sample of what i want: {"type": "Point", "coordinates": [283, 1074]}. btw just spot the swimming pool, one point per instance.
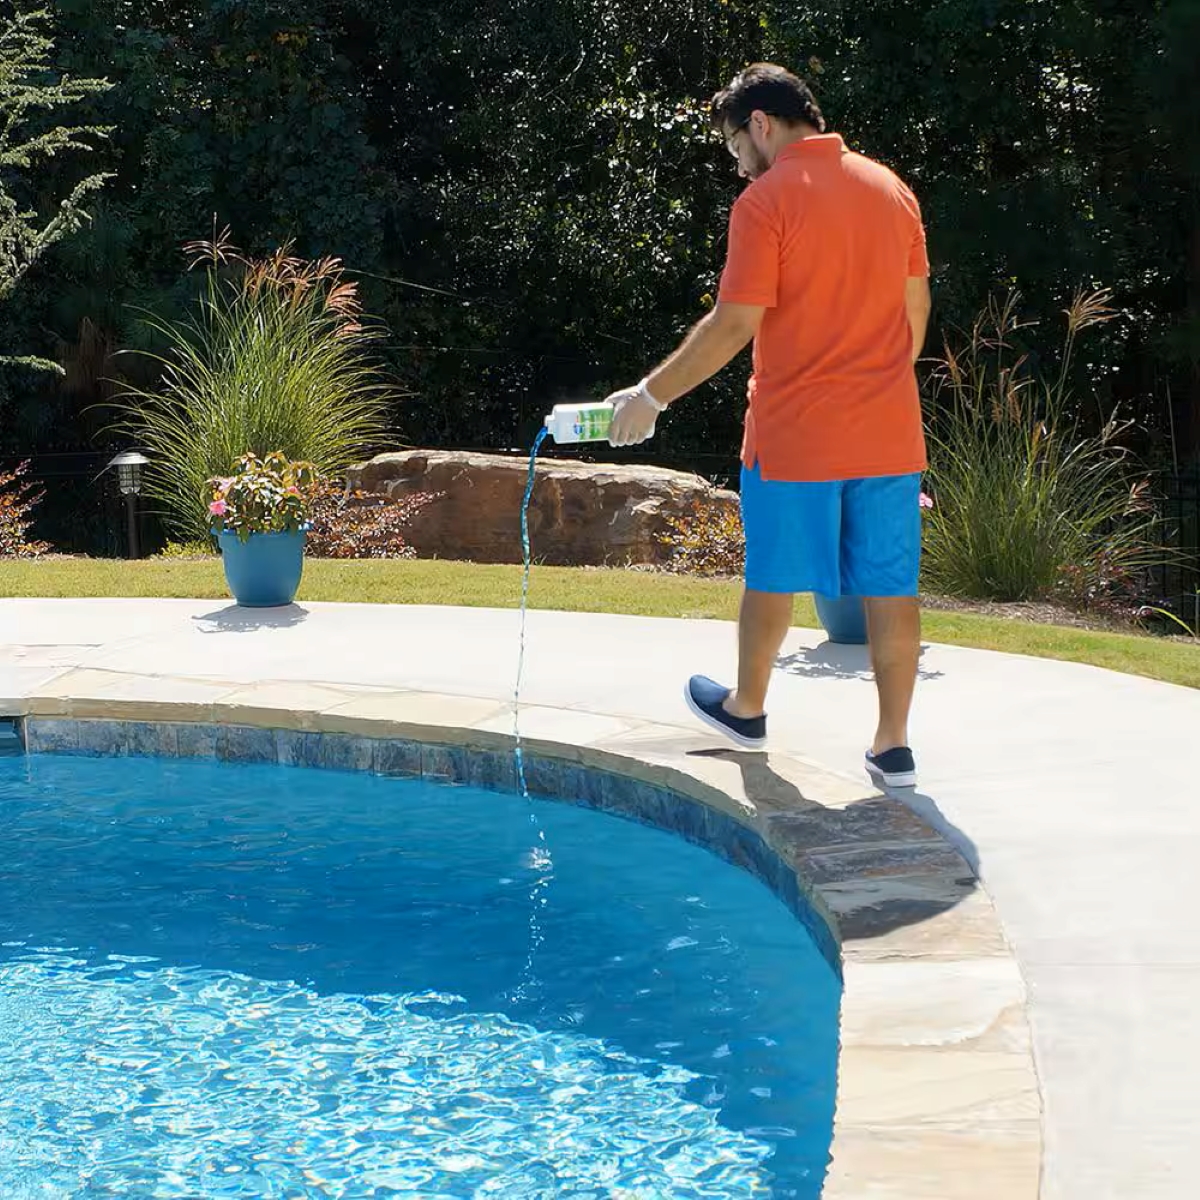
{"type": "Point", "coordinates": [225, 979]}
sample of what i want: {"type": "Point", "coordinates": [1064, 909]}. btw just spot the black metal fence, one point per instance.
{"type": "Point", "coordinates": [82, 511]}
{"type": "Point", "coordinates": [1176, 585]}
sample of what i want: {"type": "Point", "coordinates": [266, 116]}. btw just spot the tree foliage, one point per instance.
{"type": "Point", "coordinates": [537, 208]}
{"type": "Point", "coordinates": [31, 221]}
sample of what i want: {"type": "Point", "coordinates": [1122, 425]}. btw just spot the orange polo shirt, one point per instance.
{"type": "Point", "coordinates": [825, 241]}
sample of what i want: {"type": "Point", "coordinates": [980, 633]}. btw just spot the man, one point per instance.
{"type": "Point", "coordinates": [827, 272]}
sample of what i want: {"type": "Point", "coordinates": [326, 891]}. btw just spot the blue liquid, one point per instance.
{"type": "Point", "coordinates": [527, 558]}
{"type": "Point", "coordinates": [541, 860]}
{"type": "Point", "coordinates": [230, 980]}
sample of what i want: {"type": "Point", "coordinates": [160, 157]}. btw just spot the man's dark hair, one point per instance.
{"type": "Point", "coordinates": [764, 87]}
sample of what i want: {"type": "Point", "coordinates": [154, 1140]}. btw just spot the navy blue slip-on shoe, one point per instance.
{"type": "Point", "coordinates": [893, 768]}
{"type": "Point", "coordinates": [706, 699]}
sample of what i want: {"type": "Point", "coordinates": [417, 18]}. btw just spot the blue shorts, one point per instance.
{"type": "Point", "coordinates": [853, 537]}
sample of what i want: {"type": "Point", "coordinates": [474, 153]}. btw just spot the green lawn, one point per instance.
{"type": "Point", "coordinates": [579, 590]}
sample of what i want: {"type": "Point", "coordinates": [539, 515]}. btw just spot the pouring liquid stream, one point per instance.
{"type": "Point", "coordinates": [567, 423]}
{"type": "Point", "coordinates": [539, 859]}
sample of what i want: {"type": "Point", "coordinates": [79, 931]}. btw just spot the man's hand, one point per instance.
{"type": "Point", "coordinates": [635, 413]}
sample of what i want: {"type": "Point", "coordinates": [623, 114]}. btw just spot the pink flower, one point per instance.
{"type": "Point", "coordinates": [293, 491]}
{"type": "Point", "coordinates": [926, 501]}
{"type": "Point", "coordinates": [218, 508]}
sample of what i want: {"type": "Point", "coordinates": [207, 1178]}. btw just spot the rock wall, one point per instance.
{"type": "Point", "coordinates": [581, 514]}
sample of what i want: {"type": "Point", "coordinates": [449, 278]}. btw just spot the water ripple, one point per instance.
{"type": "Point", "coordinates": [126, 1078]}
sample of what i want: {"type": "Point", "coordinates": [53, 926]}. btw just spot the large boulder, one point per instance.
{"type": "Point", "coordinates": [580, 514]}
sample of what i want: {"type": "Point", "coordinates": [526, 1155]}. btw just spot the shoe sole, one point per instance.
{"type": "Point", "coordinates": [893, 779]}
{"type": "Point", "coordinates": [724, 730]}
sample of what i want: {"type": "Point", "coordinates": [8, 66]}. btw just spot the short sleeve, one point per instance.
{"type": "Point", "coordinates": [751, 274]}
{"type": "Point", "coordinates": [918, 254]}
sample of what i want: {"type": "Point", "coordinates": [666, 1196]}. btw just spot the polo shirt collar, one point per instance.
{"type": "Point", "coordinates": [821, 143]}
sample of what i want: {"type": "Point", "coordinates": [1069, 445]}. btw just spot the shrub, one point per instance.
{"type": "Point", "coordinates": [360, 524]}
{"type": "Point", "coordinates": [1029, 505]}
{"type": "Point", "coordinates": [275, 360]}
{"type": "Point", "coordinates": [708, 540]}
{"type": "Point", "coordinates": [197, 549]}
{"type": "Point", "coordinates": [18, 498]}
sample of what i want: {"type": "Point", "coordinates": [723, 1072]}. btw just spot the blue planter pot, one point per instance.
{"type": "Point", "coordinates": [265, 570]}
{"type": "Point", "coordinates": [844, 618]}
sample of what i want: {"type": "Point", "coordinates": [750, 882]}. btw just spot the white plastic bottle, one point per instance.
{"type": "Point", "coordinates": [580, 422]}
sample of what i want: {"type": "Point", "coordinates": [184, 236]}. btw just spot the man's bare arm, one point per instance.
{"type": "Point", "coordinates": [713, 343]}
{"type": "Point", "coordinates": [919, 303]}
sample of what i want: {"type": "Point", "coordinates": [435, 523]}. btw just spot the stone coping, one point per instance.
{"type": "Point", "coordinates": [938, 1096]}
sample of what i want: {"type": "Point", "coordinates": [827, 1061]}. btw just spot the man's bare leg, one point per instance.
{"type": "Point", "coordinates": [763, 623]}
{"type": "Point", "coordinates": [894, 629]}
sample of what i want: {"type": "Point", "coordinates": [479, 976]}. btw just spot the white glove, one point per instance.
{"type": "Point", "coordinates": [635, 413]}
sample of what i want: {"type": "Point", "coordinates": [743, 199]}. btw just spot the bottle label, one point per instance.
{"type": "Point", "coordinates": [592, 424]}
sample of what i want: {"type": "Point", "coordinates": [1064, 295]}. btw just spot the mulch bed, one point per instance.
{"type": "Point", "coordinates": [1039, 612]}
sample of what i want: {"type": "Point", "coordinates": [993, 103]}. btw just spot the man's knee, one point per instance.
{"type": "Point", "coordinates": [893, 621]}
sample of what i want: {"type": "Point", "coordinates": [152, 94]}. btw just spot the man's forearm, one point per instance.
{"type": "Point", "coordinates": [712, 344]}
{"type": "Point", "coordinates": [918, 323]}
{"type": "Point", "coordinates": [919, 304]}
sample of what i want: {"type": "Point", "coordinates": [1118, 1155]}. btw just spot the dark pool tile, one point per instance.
{"type": "Point", "coordinates": [167, 738]}
{"type": "Point", "coordinates": [142, 739]}
{"type": "Point", "coordinates": [101, 738]}
{"type": "Point", "coordinates": [327, 751]}
{"type": "Point", "coordinates": [543, 776]}
{"type": "Point", "coordinates": [605, 791]}
{"type": "Point", "coordinates": [822, 936]}
{"type": "Point", "coordinates": [441, 763]}
{"type": "Point", "coordinates": [747, 850]}
{"type": "Point", "coordinates": [291, 749]}
{"type": "Point", "coordinates": [561, 780]}
{"type": "Point", "coordinates": [787, 887]}
{"type": "Point", "coordinates": [692, 820]}
{"type": "Point", "coordinates": [646, 803]}
{"type": "Point", "coordinates": [468, 766]}
{"type": "Point", "coordinates": [196, 741]}
{"type": "Point", "coordinates": [397, 758]}
{"type": "Point", "coordinates": [344, 752]}
{"type": "Point", "coordinates": [781, 874]}
{"type": "Point", "coordinates": [240, 743]}
{"type": "Point", "coordinates": [580, 785]}
{"type": "Point", "coordinates": [495, 770]}
{"type": "Point", "coordinates": [51, 735]}
{"type": "Point", "coordinates": [613, 792]}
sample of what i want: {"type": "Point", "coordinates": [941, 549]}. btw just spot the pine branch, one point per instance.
{"type": "Point", "coordinates": [47, 145]}
{"type": "Point", "coordinates": [32, 363]}
{"type": "Point", "coordinates": [26, 61]}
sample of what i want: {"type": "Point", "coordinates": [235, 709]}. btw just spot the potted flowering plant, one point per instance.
{"type": "Point", "coordinates": [844, 618]}
{"type": "Point", "coordinates": [260, 515]}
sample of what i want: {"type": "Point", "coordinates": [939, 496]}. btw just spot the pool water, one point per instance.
{"type": "Point", "coordinates": [237, 980]}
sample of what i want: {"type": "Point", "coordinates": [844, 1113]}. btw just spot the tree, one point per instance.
{"type": "Point", "coordinates": [541, 171]}
{"type": "Point", "coordinates": [30, 96]}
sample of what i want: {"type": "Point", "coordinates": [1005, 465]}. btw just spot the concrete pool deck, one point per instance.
{"type": "Point", "coordinates": [1069, 789]}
